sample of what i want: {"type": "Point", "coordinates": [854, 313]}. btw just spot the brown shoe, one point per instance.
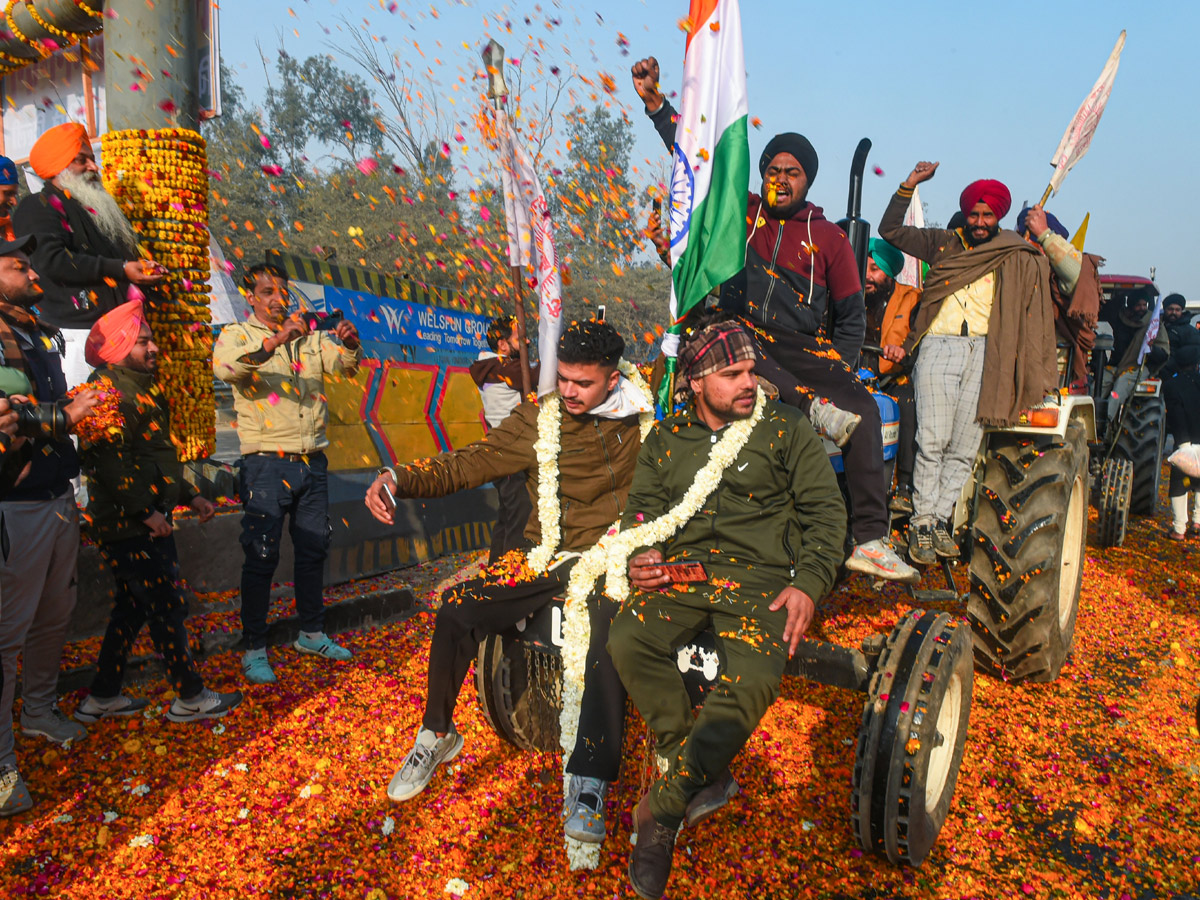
{"type": "Point", "coordinates": [650, 859]}
{"type": "Point", "coordinates": [1193, 530]}
{"type": "Point", "coordinates": [1173, 535]}
{"type": "Point", "coordinates": [711, 798]}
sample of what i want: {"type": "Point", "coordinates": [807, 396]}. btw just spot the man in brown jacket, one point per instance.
{"type": "Point", "coordinates": [598, 441]}
{"type": "Point", "coordinates": [986, 330]}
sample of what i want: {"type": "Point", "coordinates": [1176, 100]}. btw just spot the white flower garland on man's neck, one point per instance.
{"type": "Point", "coordinates": [610, 557]}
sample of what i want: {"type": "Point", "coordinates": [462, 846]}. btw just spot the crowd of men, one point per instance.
{"type": "Point", "coordinates": [772, 361]}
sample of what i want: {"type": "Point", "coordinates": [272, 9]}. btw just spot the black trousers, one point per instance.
{"type": "Point", "coordinates": [795, 364]}
{"type": "Point", "coordinates": [906, 451]}
{"type": "Point", "coordinates": [475, 609]}
{"type": "Point", "coordinates": [272, 488]}
{"type": "Point", "coordinates": [148, 589]}
{"type": "Point", "coordinates": [511, 517]}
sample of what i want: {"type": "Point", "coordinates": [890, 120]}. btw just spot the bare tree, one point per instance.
{"type": "Point", "coordinates": [410, 118]}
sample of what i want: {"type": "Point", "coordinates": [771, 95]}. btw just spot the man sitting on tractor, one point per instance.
{"type": "Point", "coordinates": [763, 542]}
{"type": "Point", "coordinates": [986, 331]}
{"type": "Point", "coordinates": [890, 309]}
{"type": "Point", "coordinates": [800, 298]}
{"type": "Point", "coordinates": [597, 436]}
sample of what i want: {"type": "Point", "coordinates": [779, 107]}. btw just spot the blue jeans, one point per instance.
{"type": "Point", "coordinates": [273, 487]}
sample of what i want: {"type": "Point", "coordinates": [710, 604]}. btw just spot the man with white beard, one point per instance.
{"type": "Point", "coordinates": [87, 252]}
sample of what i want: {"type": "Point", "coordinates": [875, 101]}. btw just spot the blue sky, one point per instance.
{"type": "Point", "coordinates": [987, 89]}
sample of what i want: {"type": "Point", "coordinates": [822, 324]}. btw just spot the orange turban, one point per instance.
{"type": "Point", "coordinates": [55, 149]}
{"type": "Point", "coordinates": [114, 334]}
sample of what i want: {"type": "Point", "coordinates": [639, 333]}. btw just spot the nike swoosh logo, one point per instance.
{"type": "Point", "coordinates": [742, 466]}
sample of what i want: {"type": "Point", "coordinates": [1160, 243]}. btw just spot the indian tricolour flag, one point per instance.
{"type": "Point", "coordinates": [712, 162]}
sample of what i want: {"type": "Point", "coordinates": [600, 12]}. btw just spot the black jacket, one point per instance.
{"type": "Point", "coordinates": [55, 463]}
{"type": "Point", "coordinates": [137, 472]}
{"type": "Point", "coordinates": [1181, 392]}
{"type": "Point", "coordinates": [82, 271]}
{"type": "Point", "coordinates": [1182, 334]}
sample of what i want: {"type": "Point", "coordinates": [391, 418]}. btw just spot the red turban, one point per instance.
{"type": "Point", "coordinates": [114, 335]}
{"type": "Point", "coordinates": [56, 148]}
{"type": "Point", "coordinates": [991, 192]}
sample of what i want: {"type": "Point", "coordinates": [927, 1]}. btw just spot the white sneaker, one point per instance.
{"type": "Point", "coordinates": [878, 559]}
{"type": "Point", "coordinates": [832, 421]}
{"type": "Point", "coordinates": [429, 752]}
{"type": "Point", "coordinates": [93, 708]}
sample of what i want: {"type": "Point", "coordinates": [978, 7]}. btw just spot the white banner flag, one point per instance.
{"type": "Point", "coordinates": [531, 240]}
{"type": "Point", "coordinates": [1078, 136]}
{"type": "Point", "coordinates": [914, 217]}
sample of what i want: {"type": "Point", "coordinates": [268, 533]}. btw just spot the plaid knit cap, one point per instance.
{"type": "Point", "coordinates": [714, 348]}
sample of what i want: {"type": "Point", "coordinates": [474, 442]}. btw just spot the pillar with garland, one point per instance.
{"type": "Point", "coordinates": [155, 165]}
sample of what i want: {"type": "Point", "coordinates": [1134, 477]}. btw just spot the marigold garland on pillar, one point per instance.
{"type": "Point", "coordinates": [160, 179]}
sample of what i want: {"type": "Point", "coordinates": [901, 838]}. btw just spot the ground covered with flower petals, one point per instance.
{"type": "Point", "coordinates": [1088, 787]}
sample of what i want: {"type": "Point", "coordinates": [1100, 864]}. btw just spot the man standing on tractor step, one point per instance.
{"type": "Point", "coordinates": [985, 329]}
{"type": "Point", "coordinates": [770, 537]}
{"type": "Point", "coordinates": [801, 299]}
{"type": "Point", "coordinates": [598, 441]}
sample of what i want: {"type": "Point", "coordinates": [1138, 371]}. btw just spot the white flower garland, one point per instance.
{"type": "Point", "coordinates": [609, 557]}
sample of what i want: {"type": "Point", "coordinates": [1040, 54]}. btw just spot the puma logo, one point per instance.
{"type": "Point", "coordinates": [742, 466]}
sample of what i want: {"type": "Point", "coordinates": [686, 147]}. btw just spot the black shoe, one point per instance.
{"type": "Point", "coordinates": [943, 544]}
{"type": "Point", "coordinates": [902, 502]}
{"type": "Point", "coordinates": [711, 798]}
{"type": "Point", "coordinates": [920, 546]}
{"type": "Point", "coordinates": [651, 857]}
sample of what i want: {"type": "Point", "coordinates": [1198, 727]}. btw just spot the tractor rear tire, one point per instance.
{"type": "Point", "coordinates": [520, 691]}
{"type": "Point", "coordinates": [1141, 442]}
{"type": "Point", "coordinates": [911, 741]}
{"type": "Point", "coordinates": [1112, 504]}
{"type": "Point", "coordinates": [1027, 561]}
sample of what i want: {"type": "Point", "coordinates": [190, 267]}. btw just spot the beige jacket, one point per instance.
{"type": "Point", "coordinates": [280, 403]}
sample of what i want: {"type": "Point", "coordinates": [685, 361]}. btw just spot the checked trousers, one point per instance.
{"type": "Point", "coordinates": [947, 379]}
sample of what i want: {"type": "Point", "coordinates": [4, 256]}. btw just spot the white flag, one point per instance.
{"type": "Point", "coordinates": [531, 240]}
{"type": "Point", "coordinates": [1078, 136]}
{"type": "Point", "coordinates": [1151, 330]}
{"type": "Point", "coordinates": [914, 217]}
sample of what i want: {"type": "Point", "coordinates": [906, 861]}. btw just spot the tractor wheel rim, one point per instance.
{"type": "Point", "coordinates": [1068, 571]}
{"type": "Point", "coordinates": [941, 755]}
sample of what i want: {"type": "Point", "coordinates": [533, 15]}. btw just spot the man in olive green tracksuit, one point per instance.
{"type": "Point", "coordinates": [770, 537]}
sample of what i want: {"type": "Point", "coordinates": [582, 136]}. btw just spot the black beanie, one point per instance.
{"type": "Point", "coordinates": [795, 144]}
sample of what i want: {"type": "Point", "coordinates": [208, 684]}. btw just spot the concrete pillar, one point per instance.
{"type": "Point", "coordinates": [142, 41]}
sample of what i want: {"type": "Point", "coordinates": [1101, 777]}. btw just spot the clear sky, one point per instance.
{"type": "Point", "coordinates": [985, 88]}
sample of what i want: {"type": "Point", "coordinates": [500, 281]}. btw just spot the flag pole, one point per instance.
{"type": "Point", "coordinates": [522, 343]}
{"type": "Point", "coordinates": [493, 57]}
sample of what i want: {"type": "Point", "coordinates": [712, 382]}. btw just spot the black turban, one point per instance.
{"type": "Point", "coordinates": [795, 144]}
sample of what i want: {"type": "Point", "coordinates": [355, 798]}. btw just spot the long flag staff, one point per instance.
{"type": "Point", "coordinates": [493, 60]}
{"type": "Point", "coordinates": [1078, 137]}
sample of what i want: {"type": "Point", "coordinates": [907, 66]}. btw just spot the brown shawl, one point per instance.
{"type": "Point", "coordinates": [1076, 314]}
{"type": "Point", "coordinates": [1019, 364]}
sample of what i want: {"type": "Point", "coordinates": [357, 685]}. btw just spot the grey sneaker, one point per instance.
{"type": "Point", "coordinates": [53, 725]}
{"type": "Point", "coordinates": [208, 704]}
{"type": "Point", "coordinates": [920, 546]}
{"type": "Point", "coordinates": [94, 708]}
{"type": "Point", "coordinates": [835, 423]}
{"type": "Point", "coordinates": [943, 544]}
{"type": "Point", "coordinates": [584, 809]}
{"type": "Point", "coordinates": [429, 752]}
{"type": "Point", "coordinates": [14, 796]}
{"type": "Point", "coordinates": [878, 559]}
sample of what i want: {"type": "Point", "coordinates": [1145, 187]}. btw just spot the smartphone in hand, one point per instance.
{"type": "Point", "coordinates": [684, 572]}
{"type": "Point", "coordinates": [389, 500]}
